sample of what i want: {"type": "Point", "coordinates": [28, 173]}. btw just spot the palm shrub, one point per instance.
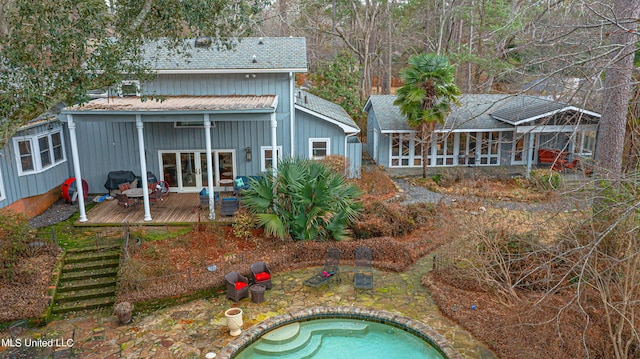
{"type": "Point", "coordinates": [304, 200]}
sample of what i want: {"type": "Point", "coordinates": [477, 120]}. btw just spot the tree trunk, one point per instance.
{"type": "Point", "coordinates": [617, 90]}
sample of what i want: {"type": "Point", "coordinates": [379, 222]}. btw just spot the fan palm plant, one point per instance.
{"type": "Point", "coordinates": [426, 96]}
{"type": "Point", "coordinates": [304, 200]}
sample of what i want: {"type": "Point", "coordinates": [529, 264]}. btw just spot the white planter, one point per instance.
{"type": "Point", "coordinates": [234, 321]}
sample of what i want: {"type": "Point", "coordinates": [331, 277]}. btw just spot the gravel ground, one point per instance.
{"type": "Point", "coordinates": [417, 194]}
{"type": "Point", "coordinates": [58, 212]}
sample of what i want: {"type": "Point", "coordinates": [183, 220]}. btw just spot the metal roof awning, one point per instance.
{"type": "Point", "coordinates": [178, 104]}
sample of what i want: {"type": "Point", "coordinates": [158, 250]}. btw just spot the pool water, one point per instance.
{"type": "Point", "coordinates": [339, 338]}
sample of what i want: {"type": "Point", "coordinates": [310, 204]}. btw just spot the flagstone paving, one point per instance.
{"type": "Point", "coordinates": [193, 329]}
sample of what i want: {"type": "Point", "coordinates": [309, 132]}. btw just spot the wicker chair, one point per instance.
{"type": "Point", "coordinates": [125, 201]}
{"type": "Point", "coordinates": [363, 271]}
{"type": "Point", "coordinates": [261, 274]}
{"type": "Point", "coordinates": [237, 286]}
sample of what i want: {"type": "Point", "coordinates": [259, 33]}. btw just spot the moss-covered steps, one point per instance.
{"type": "Point", "coordinates": [88, 279]}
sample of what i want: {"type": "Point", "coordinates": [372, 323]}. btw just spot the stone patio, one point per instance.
{"type": "Point", "coordinates": [193, 329]}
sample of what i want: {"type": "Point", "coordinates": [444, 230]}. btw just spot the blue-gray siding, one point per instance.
{"type": "Point", "coordinates": [308, 126]}
{"type": "Point", "coordinates": [17, 187]}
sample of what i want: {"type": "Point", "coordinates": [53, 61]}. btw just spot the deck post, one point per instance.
{"type": "Point", "coordinates": [530, 154]}
{"type": "Point", "coordinates": [207, 136]}
{"type": "Point", "coordinates": [143, 168]}
{"type": "Point", "coordinates": [274, 144]}
{"type": "Point", "coordinates": [76, 167]}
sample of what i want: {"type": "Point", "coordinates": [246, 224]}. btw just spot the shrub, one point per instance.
{"type": "Point", "coordinates": [543, 180]}
{"type": "Point", "coordinates": [388, 220]}
{"type": "Point", "coordinates": [14, 238]}
{"type": "Point", "coordinates": [304, 200]}
{"type": "Point", "coordinates": [336, 162]}
{"type": "Point", "coordinates": [244, 224]}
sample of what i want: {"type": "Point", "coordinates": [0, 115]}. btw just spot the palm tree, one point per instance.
{"type": "Point", "coordinates": [304, 200]}
{"type": "Point", "coordinates": [426, 96]}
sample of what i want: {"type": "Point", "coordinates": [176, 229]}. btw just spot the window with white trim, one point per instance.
{"type": "Point", "coordinates": [266, 156]}
{"type": "Point", "coordinates": [319, 148]}
{"type": "Point", "coordinates": [585, 143]}
{"type": "Point", "coordinates": [2, 195]}
{"type": "Point", "coordinates": [129, 88]}
{"type": "Point", "coordinates": [406, 150]}
{"type": "Point", "coordinates": [490, 146]}
{"type": "Point", "coordinates": [38, 153]}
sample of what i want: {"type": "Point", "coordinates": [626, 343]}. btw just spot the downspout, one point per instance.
{"type": "Point", "coordinates": [292, 117]}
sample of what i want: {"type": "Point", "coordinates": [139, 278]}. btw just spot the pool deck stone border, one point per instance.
{"type": "Point", "coordinates": [348, 312]}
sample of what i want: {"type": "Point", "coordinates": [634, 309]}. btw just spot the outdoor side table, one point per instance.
{"type": "Point", "coordinates": [257, 293]}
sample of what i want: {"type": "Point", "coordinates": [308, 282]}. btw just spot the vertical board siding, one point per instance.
{"type": "Point", "coordinates": [308, 126]}
{"type": "Point", "coordinates": [113, 146]}
{"type": "Point", "coordinates": [18, 187]}
{"type": "Point", "coordinates": [354, 154]}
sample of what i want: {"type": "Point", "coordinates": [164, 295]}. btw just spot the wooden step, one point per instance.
{"type": "Point", "coordinates": [87, 274]}
{"type": "Point", "coordinates": [82, 294]}
{"type": "Point", "coordinates": [86, 284]}
{"type": "Point", "coordinates": [83, 305]}
{"type": "Point", "coordinates": [81, 266]}
{"type": "Point", "coordinates": [90, 256]}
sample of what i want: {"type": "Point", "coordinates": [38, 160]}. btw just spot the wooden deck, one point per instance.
{"type": "Point", "coordinates": [178, 209]}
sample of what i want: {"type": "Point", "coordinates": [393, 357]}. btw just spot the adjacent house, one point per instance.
{"type": "Point", "coordinates": [484, 130]}
{"type": "Point", "coordinates": [215, 114]}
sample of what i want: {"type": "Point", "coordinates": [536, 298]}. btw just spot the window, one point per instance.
{"type": "Point", "coordinates": [37, 153]}
{"type": "Point", "coordinates": [319, 148]}
{"type": "Point", "coordinates": [129, 88]}
{"type": "Point", "coordinates": [266, 156]}
{"type": "Point", "coordinates": [406, 150]}
{"type": "Point", "coordinates": [585, 143]}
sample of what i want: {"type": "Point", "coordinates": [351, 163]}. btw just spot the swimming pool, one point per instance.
{"type": "Point", "coordinates": [339, 332]}
{"type": "Point", "coordinates": [339, 338]}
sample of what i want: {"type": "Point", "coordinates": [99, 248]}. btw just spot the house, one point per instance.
{"type": "Point", "coordinates": [484, 130]}
{"type": "Point", "coordinates": [215, 114]}
{"type": "Point", "coordinates": [33, 165]}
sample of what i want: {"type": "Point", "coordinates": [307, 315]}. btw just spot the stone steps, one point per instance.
{"type": "Point", "coordinates": [306, 340]}
{"type": "Point", "coordinates": [88, 280]}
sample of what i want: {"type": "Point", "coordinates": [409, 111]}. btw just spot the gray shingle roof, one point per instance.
{"type": "Point", "coordinates": [476, 111]}
{"type": "Point", "coordinates": [324, 107]}
{"type": "Point", "coordinates": [271, 53]}
{"type": "Point", "coordinates": [523, 107]}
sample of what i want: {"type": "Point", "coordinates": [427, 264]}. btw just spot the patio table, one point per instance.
{"type": "Point", "coordinates": [136, 192]}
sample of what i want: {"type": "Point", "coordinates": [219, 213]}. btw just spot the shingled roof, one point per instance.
{"type": "Point", "coordinates": [325, 108]}
{"type": "Point", "coordinates": [275, 54]}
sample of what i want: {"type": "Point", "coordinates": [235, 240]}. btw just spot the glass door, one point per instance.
{"type": "Point", "coordinates": [520, 150]}
{"type": "Point", "coordinates": [190, 171]}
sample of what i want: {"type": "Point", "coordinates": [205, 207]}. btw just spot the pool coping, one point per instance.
{"type": "Point", "coordinates": [412, 326]}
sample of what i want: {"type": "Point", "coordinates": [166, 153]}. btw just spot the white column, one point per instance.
{"type": "Point", "coordinates": [529, 155]}
{"type": "Point", "coordinates": [292, 114]}
{"type": "Point", "coordinates": [274, 144]}
{"type": "Point", "coordinates": [210, 168]}
{"type": "Point", "coordinates": [76, 167]}
{"type": "Point", "coordinates": [143, 168]}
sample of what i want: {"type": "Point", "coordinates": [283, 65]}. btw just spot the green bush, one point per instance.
{"type": "Point", "coordinates": [542, 180]}
{"type": "Point", "coordinates": [304, 200]}
{"type": "Point", "coordinates": [14, 241]}
{"type": "Point", "coordinates": [243, 225]}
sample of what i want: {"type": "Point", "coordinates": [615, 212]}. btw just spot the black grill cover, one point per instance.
{"type": "Point", "coordinates": [116, 178]}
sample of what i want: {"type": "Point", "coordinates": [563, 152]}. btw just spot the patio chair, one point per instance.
{"type": "Point", "coordinates": [155, 193]}
{"type": "Point", "coordinates": [363, 271]}
{"type": "Point", "coordinates": [125, 201]}
{"type": "Point", "coordinates": [261, 274]}
{"type": "Point", "coordinates": [329, 270]}
{"type": "Point", "coordinates": [237, 286]}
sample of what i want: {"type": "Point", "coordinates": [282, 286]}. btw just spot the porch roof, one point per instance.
{"type": "Point", "coordinates": [183, 104]}
{"type": "Point", "coordinates": [522, 109]}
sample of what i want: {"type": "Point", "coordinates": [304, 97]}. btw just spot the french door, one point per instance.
{"type": "Point", "coordinates": [186, 171]}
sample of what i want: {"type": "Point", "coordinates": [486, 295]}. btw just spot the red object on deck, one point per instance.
{"type": "Point", "coordinates": [70, 192]}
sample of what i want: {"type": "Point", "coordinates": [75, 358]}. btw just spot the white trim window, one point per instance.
{"type": "Point", "coordinates": [319, 148]}
{"type": "Point", "coordinates": [490, 147]}
{"type": "Point", "coordinates": [266, 157]}
{"type": "Point", "coordinates": [38, 153]}
{"type": "Point", "coordinates": [585, 143]}
{"type": "Point", "coordinates": [405, 150]}
{"type": "Point", "coordinates": [129, 88]}
{"type": "Point", "coordinates": [2, 193]}
{"type": "Point", "coordinates": [443, 149]}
